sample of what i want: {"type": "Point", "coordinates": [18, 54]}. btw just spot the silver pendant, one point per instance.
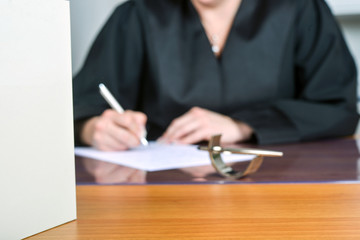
{"type": "Point", "coordinates": [215, 48]}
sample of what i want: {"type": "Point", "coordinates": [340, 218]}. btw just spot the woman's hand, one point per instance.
{"type": "Point", "coordinates": [113, 131]}
{"type": "Point", "coordinates": [200, 124]}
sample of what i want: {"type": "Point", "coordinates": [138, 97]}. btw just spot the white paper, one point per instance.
{"type": "Point", "coordinates": [156, 156]}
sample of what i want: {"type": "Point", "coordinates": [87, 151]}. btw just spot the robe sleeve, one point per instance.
{"type": "Point", "coordinates": [115, 59]}
{"type": "Point", "coordinates": [325, 79]}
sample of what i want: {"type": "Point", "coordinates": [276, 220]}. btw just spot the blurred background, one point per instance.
{"type": "Point", "coordinates": [88, 16]}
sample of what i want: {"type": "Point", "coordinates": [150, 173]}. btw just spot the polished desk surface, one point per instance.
{"type": "Point", "coordinates": [311, 193]}
{"type": "Point", "coordinates": [320, 161]}
{"type": "Point", "coordinates": [214, 211]}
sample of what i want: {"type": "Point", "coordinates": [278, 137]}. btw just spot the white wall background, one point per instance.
{"type": "Point", "coordinates": [351, 28]}
{"type": "Point", "coordinates": [87, 18]}
{"type": "Point", "coordinates": [345, 7]}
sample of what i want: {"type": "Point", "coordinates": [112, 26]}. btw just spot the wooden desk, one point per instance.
{"type": "Point", "coordinates": [214, 211]}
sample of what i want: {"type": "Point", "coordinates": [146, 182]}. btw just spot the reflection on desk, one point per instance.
{"type": "Point", "coordinates": [321, 161]}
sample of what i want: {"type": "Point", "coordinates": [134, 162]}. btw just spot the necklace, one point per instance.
{"type": "Point", "coordinates": [214, 38]}
{"type": "Point", "coordinates": [213, 21]}
{"type": "Point", "coordinates": [214, 41]}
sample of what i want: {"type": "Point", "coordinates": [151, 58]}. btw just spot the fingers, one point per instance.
{"type": "Point", "coordinates": [141, 120]}
{"type": "Point", "coordinates": [200, 124]}
{"type": "Point", "coordinates": [189, 128]}
{"type": "Point", "coordinates": [132, 121]}
{"type": "Point", "coordinates": [195, 137]}
{"type": "Point", "coordinates": [114, 131]}
{"type": "Point", "coordinates": [181, 126]}
{"type": "Point", "coordinates": [112, 138]}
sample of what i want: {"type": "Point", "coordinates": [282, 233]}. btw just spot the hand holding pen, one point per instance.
{"type": "Point", "coordinates": [116, 106]}
{"type": "Point", "coordinates": [115, 129]}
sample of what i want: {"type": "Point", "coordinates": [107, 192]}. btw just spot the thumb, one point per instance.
{"type": "Point", "coordinates": [141, 119]}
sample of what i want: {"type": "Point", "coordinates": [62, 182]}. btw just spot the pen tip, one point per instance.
{"type": "Point", "coordinates": [144, 142]}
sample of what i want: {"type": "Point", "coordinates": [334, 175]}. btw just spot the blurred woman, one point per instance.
{"type": "Point", "coordinates": [270, 71]}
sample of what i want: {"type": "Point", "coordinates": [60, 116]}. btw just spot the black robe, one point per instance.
{"type": "Point", "coordinates": [285, 69]}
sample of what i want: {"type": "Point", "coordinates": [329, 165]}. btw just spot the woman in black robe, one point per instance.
{"type": "Point", "coordinates": [272, 71]}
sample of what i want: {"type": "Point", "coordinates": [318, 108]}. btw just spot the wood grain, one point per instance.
{"type": "Point", "coordinates": [214, 211]}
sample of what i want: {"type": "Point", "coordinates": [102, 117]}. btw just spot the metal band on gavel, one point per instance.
{"type": "Point", "coordinates": [215, 151]}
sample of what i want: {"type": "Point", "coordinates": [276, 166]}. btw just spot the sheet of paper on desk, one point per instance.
{"type": "Point", "coordinates": [156, 157]}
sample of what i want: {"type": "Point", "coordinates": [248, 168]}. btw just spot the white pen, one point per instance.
{"type": "Point", "coordinates": [117, 107]}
